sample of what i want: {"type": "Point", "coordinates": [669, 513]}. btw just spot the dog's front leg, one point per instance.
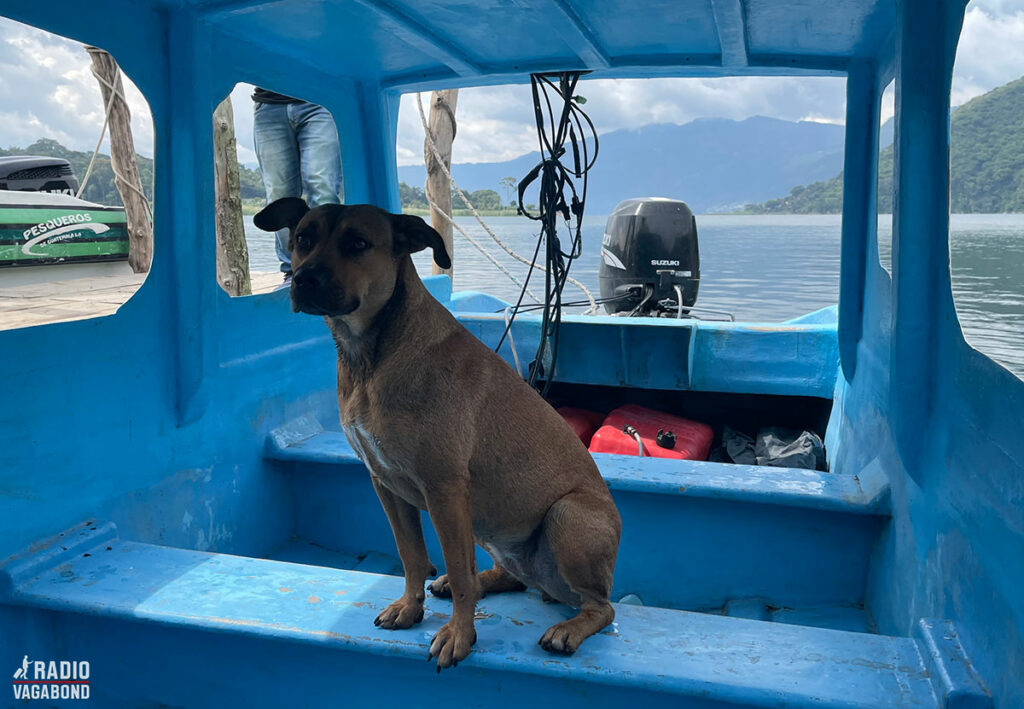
{"type": "Point", "coordinates": [408, 531]}
{"type": "Point", "coordinates": [450, 512]}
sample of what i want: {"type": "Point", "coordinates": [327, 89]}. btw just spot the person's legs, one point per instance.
{"type": "Point", "coordinates": [320, 153]}
{"type": "Point", "coordinates": [278, 153]}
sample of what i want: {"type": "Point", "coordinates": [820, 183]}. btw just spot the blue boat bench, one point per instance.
{"type": "Point", "coordinates": [737, 539]}
{"type": "Point", "coordinates": [212, 619]}
{"type": "Point", "coordinates": [216, 616]}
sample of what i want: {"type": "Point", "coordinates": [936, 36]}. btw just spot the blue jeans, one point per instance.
{"type": "Point", "coordinates": [299, 155]}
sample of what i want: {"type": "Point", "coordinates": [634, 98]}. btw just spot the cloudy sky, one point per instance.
{"type": "Point", "coordinates": [48, 91]}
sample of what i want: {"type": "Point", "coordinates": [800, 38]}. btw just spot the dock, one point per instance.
{"type": "Point", "coordinates": [44, 303]}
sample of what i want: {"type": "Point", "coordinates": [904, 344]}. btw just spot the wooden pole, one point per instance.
{"type": "Point", "coordinates": [438, 189]}
{"type": "Point", "coordinates": [122, 160]}
{"type": "Point", "coordinates": [232, 251]}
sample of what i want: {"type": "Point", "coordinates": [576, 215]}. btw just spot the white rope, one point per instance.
{"type": "Point", "coordinates": [512, 343]}
{"type": "Point", "coordinates": [115, 93]}
{"type": "Point", "coordinates": [437, 156]}
{"type": "Point", "coordinates": [103, 132]}
{"type": "Point", "coordinates": [481, 249]}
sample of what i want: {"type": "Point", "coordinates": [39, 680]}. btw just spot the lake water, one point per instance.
{"type": "Point", "coordinates": [770, 268]}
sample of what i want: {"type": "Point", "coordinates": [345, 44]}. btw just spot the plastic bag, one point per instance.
{"type": "Point", "coordinates": [774, 446]}
{"type": "Point", "coordinates": [786, 448]}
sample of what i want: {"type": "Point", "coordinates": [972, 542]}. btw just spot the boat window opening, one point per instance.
{"type": "Point", "coordinates": [986, 151]}
{"type": "Point", "coordinates": [732, 184]}
{"type": "Point", "coordinates": [76, 180]}
{"type": "Point", "coordinates": [268, 144]}
{"type": "Point", "coordinates": [886, 175]}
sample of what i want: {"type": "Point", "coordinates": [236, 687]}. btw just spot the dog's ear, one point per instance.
{"type": "Point", "coordinates": [281, 213]}
{"type": "Point", "coordinates": [412, 234]}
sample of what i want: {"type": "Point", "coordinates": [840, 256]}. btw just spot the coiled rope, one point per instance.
{"type": "Point", "coordinates": [465, 200]}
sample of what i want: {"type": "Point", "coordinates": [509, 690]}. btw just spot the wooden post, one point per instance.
{"type": "Point", "coordinates": [232, 251]}
{"type": "Point", "coordinates": [438, 189]}
{"type": "Point", "coordinates": [122, 160]}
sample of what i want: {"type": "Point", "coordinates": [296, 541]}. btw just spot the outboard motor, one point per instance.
{"type": "Point", "coordinates": [29, 173]}
{"type": "Point", "coordinates": [650, 262]}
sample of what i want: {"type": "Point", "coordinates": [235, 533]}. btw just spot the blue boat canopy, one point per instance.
{"type": "Point", "coordinates": [455, 42]}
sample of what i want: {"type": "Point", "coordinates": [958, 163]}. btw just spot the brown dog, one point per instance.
{"type": "Point", "coordinates": [445, 425]}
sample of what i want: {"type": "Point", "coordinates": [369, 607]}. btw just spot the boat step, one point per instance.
{"type": "Point", "coordinates": [305, 441]}
{"type": "Point", "coordinates": [178, 627]}
{"type": "Point", "coordinates": [838, 617]}
{"type": "Point", "coordinates": [695, 535]}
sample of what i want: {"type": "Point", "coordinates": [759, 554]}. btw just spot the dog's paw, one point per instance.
{"type": "Point", "coordinates": [439, 587]}
{"type": "Point", "coordinates": [400, 614]}
{"type": "Point", "coordinates": [451, 645]}
{"type": "Point", "coordinates": [561, 638]}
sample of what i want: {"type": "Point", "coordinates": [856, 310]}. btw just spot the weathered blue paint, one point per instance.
{"type": "Point", "coordinates": [860, 179]}
{"type": "Point", "coordinates": [195, 422]}
{"type": "Point", "coordinates": [662, 656]}
{"type": "Point", "coordinates": [805, 541]}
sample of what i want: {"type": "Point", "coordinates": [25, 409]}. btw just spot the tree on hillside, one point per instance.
{"type": "Point", "coordinates": [485, 199]}
{"type": "Point", "coordinates": [101, 188]}
{"type": "Point", "coordinates": [411, 196]}
{"type": "Point", "coordinates": [510, 184]}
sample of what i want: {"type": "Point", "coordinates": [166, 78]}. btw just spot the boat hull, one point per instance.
{"type": "Point", "coordinates": [35, 234]}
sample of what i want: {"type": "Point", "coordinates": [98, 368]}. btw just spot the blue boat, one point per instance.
{"type": "Point", "coordinates": [182, 523]}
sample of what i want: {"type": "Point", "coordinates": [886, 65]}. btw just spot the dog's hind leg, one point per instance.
{"type": "Point", "coordinates": [496, 580]}
{"type": "Point", "coordinates": [408, 531]}
{"type": "Point", "coordinates": [582, 532]}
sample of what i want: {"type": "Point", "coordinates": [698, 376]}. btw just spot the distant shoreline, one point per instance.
{"type": "Point", "coordinates": [420, 212]}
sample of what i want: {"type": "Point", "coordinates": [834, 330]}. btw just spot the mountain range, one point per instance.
{"type": "Point", "coordinates": [712, 164]}
{"type": "Point", "coordinates": [986, 163]}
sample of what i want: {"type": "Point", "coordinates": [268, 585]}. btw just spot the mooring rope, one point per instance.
{"type": "Point", "coordinates": [462, 196]}
{"type": "Point", "coordinates": [115, 93]}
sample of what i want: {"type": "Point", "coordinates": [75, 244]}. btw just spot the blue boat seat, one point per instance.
{"type": "Point", "coordinates": [215, 622]}
{"type": "Point", "coordinates": [305, 441]}
{"type": "Point", "coordinates": [765, 543]}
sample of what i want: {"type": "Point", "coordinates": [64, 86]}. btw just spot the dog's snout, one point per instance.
{"type": "Point", "coordinates": [309, 288]}
{"type": "Point", "coordinates": [305, 278]}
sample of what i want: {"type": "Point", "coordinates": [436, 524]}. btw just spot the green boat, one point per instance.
{"type": "Point", "coordinates": [41, 222]}
{"type": "Point", "coordinates": [42, 228]}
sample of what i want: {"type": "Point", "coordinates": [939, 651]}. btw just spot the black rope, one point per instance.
{"type": "Point", "coordinates": [560, 195]}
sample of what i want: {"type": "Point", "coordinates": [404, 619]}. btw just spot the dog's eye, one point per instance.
{"type": "Point", "coordinates": [302, 240]}
{"type": "Point", "coordinates": [352, 242]}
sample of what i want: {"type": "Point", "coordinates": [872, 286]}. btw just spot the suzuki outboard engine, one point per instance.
{"type": "Point", "coordinates": [30, 173]}
{"type": "Point", "coordinates": [650, 263]}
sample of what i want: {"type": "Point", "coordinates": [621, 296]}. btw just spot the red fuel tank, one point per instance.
{"type": "Point", "coordinates": [692, 438]}
{"type": "Point", "coordinates": [583, 422]}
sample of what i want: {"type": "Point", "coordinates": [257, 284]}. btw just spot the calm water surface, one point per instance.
{"type": "Point", "coordinates": [772, 268]}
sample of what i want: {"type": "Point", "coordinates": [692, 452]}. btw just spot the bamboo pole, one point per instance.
{"type": "Point", "coordinates": [232, 251]}
{"type": "Point", "coordinates": [122, 161]}
{"type": "Point", "coordinates": [438, 189]}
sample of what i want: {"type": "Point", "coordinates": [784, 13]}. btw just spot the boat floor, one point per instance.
{"type": "Point", "coordinates": [835, 617]}
{"type": "Point", "coordinates": [27, 304]}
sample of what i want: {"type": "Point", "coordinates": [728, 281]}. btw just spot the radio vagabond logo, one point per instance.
{"type": "Point", "coordinates": [51, 679]}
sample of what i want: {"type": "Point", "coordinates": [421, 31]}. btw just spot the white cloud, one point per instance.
{"type": "Point", "coordinates": [496, 123]}
{"type": "Point", "coordinates": [241, 106]}
{"type": "Point", "coordinates": [48, 91]}
{"type": "Point", "coordinates": [991, 49]}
